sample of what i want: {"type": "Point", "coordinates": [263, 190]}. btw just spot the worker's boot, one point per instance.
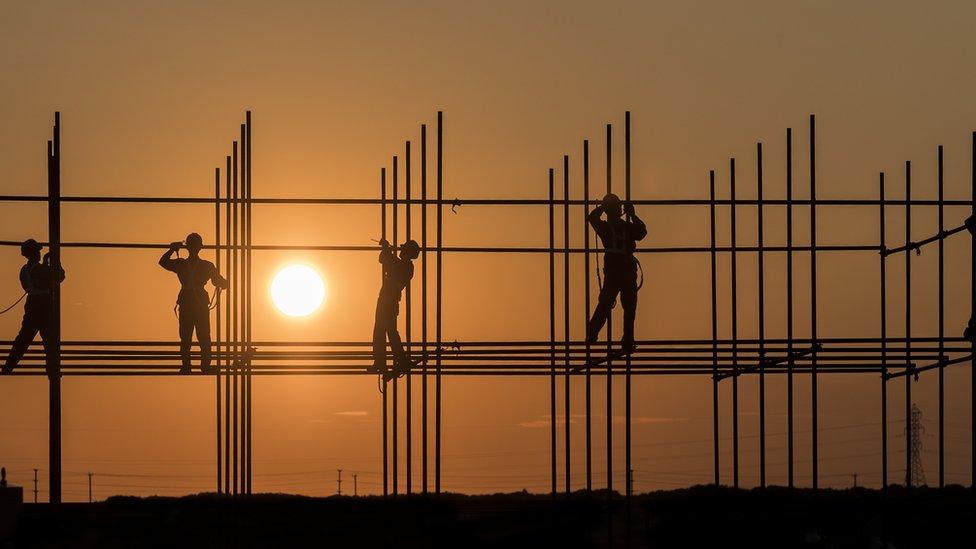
{"type": "Point", "coordinates": [403, 364]}
{"type": "Point", "coordinates": [627, 346]}
{"type": "Point", "coordinates": [969, 334]}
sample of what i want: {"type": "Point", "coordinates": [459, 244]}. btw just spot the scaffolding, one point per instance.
{"type": "Point", "coordinates": [239, 357]}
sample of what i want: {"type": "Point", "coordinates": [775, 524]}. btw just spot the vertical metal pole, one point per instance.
{"type": "Point", "coordinates": [790, 360]}
{"type": "Point", "coordinates": [942, 355]}
{"type": "Point", "coordinates": [423, 307]}
{"type": "Point", "coordinates": [566, 386]}
{"type": "Point", "coordinates": [437, 376]}
{"type": "Point", "coordinates": [231, 357]}
{"type": "Point", "coordinates": [813, 297]}
{"type": "Point", "coordinates": [609, 338]}
{"type": "Point", "coordinates": [407, 320]}
{"type": "Point", "coordinates": [735, 332]}
{"type": "Point", "coordinates": [586, 306]}
{"type": "Point", "coordinates": [53, 361]}
{"type": "Point", "coordinates": [715, 431]}
{"type": "Point", "coordinates": [552, 339]}
{"type": "Point", "coordinates": [762, 317]}
{"type": "Point", "coordinates": [236, 308]}
{"type": "Point", "coordinates": [245, 213]}
{"type": "Point", "coordinates": [972, 375]}
{"type": "Point", "coordinates": [386, 417]}
{"type": "Point", "coordinates": [219, 341]}
{"type": "Point", "coordinates": [250, 225]}
{"type": "Point", "coordinates": [628, 485]}
{"type": "Point", "coordinates": [884, 336]}
{"type": "Point", "coordinates": [243, 307]}
{"type": "Point", "coordinates": [396, 407]}
{"type": "Point", "coordinates": [908, 325]}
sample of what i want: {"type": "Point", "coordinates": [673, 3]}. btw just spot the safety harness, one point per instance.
{"type": "Point", "coordinates": [211, 300]}
{"type": "Point", "coordinates": [618, 245]}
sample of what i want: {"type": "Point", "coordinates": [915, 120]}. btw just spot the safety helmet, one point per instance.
{"type": "Point", "coordinates": [611, 201]}
{"type": "Point", "coordinates": [410, 249]}
{"type": "Point", "coordinates": [30, 247]}
{"type": "Point", "coordinates": [194, 241]}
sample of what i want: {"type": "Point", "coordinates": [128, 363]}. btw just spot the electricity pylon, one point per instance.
{"type": "Point", "coordinates": [917, 474]}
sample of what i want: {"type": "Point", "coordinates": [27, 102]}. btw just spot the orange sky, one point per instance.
{"type": "Point", "coordinates": [151, 96]}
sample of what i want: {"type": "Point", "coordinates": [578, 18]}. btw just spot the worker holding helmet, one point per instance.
{"type": "Point", "coordinates": [619, 233]}
{"type": "Point", "coordinates": [397, 272]}
{"type": "Point", "coordinates": [37, 279]}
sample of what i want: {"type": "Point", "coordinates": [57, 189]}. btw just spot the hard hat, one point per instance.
{"type": "Point", "coordinates": [411, 247]}
{"type": "Point", "coordinates": [194, 240]}
{"type": "Point", "coordinates": [611, 201]}
{"type": "Point", "coordinates": [30, 246]}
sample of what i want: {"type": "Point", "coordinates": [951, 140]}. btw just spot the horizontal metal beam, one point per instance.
{"type": "Point", "coordinates": [461, 345]}
{"type": "Point", "coordinates": [459, 249]}
{"type": "Point", "coordinates": [458, 202]}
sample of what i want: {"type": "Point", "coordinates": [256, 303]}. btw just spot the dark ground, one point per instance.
{"type": "Point", "coordinates": [695, 517]}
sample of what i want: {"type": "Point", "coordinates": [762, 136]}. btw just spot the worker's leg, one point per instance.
{"type": "Point", "coordinates": [28, 330]}
{"type": "Point", "coordinates": [202, 324]}
{"type": "Point", "coordinates": [608, 294]}
{"type": "Point", "coordinates": [628, 300]}
{"type": "Point", "coordinates": [400, 359]}
{"type": "Point", "coordinates": [186, 336]}
{"type": "Point", "coordinates": [380, 324]}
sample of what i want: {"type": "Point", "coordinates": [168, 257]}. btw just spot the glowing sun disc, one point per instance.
{"type": "Point", "coordinates": [297, 290]}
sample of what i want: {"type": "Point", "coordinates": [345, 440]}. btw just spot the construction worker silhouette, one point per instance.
{"type": "Point", "coordinates": [619, 236]}
{"type": "Point", "coordinates": [193, 301]}
{"type": "Point", "coordinates": [36, 278]}
{"type": "Point", "coordinates": [397, 272]}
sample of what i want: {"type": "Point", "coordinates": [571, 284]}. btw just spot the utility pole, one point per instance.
{"type": "Point", "coordinates": [855, 479]}
{"type": "Point", "coordinates": [630, 484]}
{"type": "Point", "coordinates": [355, 485]}
{"type": "Point", "coordinates": [916, 473]}
{"type": "Point", "coordinates": [339, 483]}
{"type": "Point", "coordinates": [89, 487]}
{"type": "Point", "coordinates": [35, 485]}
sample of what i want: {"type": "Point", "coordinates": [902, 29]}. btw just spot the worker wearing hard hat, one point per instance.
{"type": "Point", "coordinates": [193, 301]}
{"type": "Point", "coordinates": [619, 233]}
{"type": "Point", "coordinates": [397, 272]}
{"type": "Point", "coordinates": [37, 280]}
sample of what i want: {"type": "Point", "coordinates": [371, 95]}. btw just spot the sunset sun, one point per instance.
{"type": "Point", "coordinates": [297, 290]}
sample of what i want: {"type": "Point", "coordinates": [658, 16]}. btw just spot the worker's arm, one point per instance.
{"type": "Point", "coordinates": [594, 218]}
{"type": "Point", "coordinates": [640, 229]}
{"type": "Point", "coordinates": [47, 262]}
{"type": "Point", "coordinates": [166, 261]}
{"type": "Point", "coordinates": [218, 280]}
{"type": "Point", "coordinates": [387, 254]}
